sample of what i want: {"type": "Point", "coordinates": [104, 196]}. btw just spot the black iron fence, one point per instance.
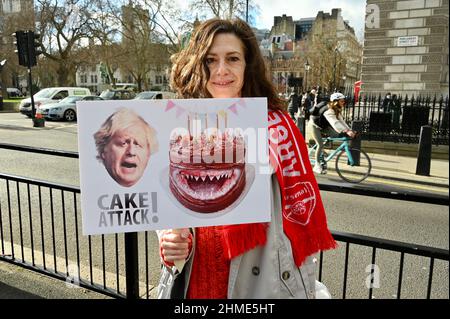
{"type": "Point", "coordinates": [40, 229]}
{"type": "Point", "coordinates": [399, 120]}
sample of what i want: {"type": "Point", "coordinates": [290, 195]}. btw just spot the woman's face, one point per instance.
{"type": "Point", "coordinates": [226, 64]}
{"type": "Point", "coordinates": [341, 103]}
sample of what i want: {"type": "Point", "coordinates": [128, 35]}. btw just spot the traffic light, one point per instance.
{"type": "Point", "coordinates": [22, 47]}
{"type": "Point", "coordinates": [28, 47]}
{"type": "Point", "coordinates": [33, 47]}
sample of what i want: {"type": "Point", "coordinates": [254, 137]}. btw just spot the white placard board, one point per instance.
{"type": "Point", "coordinates": [163, 191]}
{"type": "Point", "coordinates": [410, 41]}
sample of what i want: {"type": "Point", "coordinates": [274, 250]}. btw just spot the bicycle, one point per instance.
{"type": "Point", "coordinates": [347, 165]}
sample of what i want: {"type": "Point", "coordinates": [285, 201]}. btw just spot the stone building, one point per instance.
{"type": "Point", "coordinates": [406, 49]}
{"type": "Point", "coordinates": [339, 65]}
{"type": "Point", "coordinates": [302, 27]}
{"type": "Point", "coordinates": [290, 46]}
{"type": "Point", "coordinates": [283, 25]}
{"type": "Point", "coordinates": [282, 60]}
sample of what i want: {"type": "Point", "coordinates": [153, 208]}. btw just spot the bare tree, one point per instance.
{"type": "Point", "coordinates": [45, 73]}
{"type": "Point", "coordinates": [63, 25]}
{"type": "Point", "coordinates": [147, 37]}
{"type": "Point", "coordinates": [170, 24]}
{"type": "Point", "coordinates": [226, 9]}
{"type": "Point", "coordinates": [11, 72]}
{"type": "Point", "coordinates": [104, 37]}
{"type": "Point", "coordinates": [327, 62]}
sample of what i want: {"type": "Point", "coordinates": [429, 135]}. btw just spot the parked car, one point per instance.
{"type": "Point", "coordinates": [155, 95]}
{"type": "Point", "coordinates": [51, 95]}
{"type": "Point", "coordinates": [13, 92]}
{"type": "Point", "coordinates": [117, 94]}
{"type": "Point", "coordinates": [126, 86]}
{"type": "Point", "coordinates": [66, 109]}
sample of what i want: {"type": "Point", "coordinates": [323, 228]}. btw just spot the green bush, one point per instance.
{"type": "Point", "coordinates": [9, 105]}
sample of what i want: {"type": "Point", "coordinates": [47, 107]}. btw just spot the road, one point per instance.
{"type": "Point", "coordinates": [409, 222]}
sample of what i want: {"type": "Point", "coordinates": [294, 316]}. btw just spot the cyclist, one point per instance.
{"type": "Point", "coordinates": [326, 119]}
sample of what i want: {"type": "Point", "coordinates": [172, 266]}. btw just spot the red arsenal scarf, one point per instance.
{"type": "Point", "coordinates": [304, 220]}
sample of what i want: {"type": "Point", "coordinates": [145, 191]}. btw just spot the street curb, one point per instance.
{"type": "Point", "coordinates": [413, 181]}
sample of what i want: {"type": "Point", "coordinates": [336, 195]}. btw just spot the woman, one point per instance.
{"type": "Point", "coordinates": [257, 260]}
{"type": "Point", "coordinates": [326, 119]}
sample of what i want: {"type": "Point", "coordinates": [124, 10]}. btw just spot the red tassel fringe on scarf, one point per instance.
{"type": "Point", "coordinates": [304, 220]}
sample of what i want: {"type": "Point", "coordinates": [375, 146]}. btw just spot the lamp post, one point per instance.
{"type": "Point", "coordinates": [2, 82]}
{"type": "Point", "coordinates": [303, 117]}
{"type": "Point", "coordinates": [246, 11]}
{"type": "Point", "coordinates": [343, 79]}
{"type": "Point", "coordinates": [336, 51]}
{"type": "Point", "coordinates": [357, 72]}
{"type": "Point", "coordinates": [307, 68]}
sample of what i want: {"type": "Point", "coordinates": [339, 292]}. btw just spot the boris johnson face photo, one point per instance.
{"type": "Point", "coordinates": [126, 154]}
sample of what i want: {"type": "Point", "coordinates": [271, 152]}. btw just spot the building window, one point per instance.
{"type": "Point", "coordinates": [158, 79]}
{"type": "Point", "coordinates": [83, 78]}
{"type": "Point", "coordinates": [94, 78]}
{"type": "Point", "coordinates": [10, 6]}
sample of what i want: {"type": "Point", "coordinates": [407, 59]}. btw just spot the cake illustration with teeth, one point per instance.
{"type": "Point", "coordinates": [207, 170]}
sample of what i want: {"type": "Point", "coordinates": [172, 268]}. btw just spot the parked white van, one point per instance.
{"type": "Point", "coordinates": [50, 95]}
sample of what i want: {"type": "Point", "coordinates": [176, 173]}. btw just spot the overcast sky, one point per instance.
{"type": "Point", "coordinates": [353, 11]}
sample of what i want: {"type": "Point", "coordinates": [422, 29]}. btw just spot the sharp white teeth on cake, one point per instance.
{"type": "Point", "coordinates": [188, 181]}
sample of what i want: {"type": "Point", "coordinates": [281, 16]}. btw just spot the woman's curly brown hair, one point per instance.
{"type": "Point", "coordinates": [190, 73]}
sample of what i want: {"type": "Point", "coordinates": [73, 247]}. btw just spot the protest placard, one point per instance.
{"type": "Point", "coordinates": [158, 164]}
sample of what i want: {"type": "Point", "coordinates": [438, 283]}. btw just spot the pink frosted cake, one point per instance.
{"type": "Point", "coordinates": [207, 172]}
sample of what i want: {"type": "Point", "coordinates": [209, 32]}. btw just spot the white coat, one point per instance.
{"type": "Point", "coordinates": [266, 271]}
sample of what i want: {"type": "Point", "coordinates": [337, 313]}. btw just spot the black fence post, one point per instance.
{"type": "Point", "coordinates": [301, 124]}
{"type": "Point", "coordinates": [355, 143]}
{"type": "Point", "coordinates": [424, 156]}
{"type": "Point", "coordinates": [132, 265]}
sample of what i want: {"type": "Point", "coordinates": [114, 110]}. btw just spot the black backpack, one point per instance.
{"type": "Point", "coordinates": [317, 116]}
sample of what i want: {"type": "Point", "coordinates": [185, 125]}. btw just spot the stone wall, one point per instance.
{"type": "Point", "coordinates": [407, 52]}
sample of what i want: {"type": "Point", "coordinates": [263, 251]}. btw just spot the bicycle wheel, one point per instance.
{"type": "Point", "coordinates": [355, 173]}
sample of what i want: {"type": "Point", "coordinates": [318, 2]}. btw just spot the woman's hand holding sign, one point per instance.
{"type": "Point", "coordinates": [175, 246]}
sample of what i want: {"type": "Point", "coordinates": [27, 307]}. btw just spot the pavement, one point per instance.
{"type": "Point", "coordinates": [20, 283]}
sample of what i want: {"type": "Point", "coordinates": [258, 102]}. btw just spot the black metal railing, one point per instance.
{"type": "Point", "coordinates": [400, 120]}
{"type": "Point", "coordinates": [378, 244]}
{"type": "Point", "coordinates": [40, 230]}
